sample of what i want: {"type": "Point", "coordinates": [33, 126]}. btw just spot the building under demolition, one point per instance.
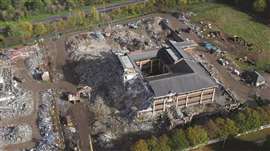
{"type": "Point", "coordinates": [172, 75]}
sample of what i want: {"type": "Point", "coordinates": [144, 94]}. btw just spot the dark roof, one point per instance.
{"type": "Point", "coordinates": [179, 84]}
{"type": "Point", "coordinates": [254, 77]}
{"type": "Point", "coordinates": [185, 73]}
{"type": "Point", "coordinates": [187, 76]}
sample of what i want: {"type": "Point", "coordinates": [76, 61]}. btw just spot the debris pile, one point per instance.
{"type": "Point", "coordinates": [131, 40]}
{"type": "Point", "coordinates": [155, 31]}
{"type": "Point", "coordinates": [50, 137]}
{"type": "Point", "coordinates": [144, 34]}
{"type": "Point", "coordinates": [80, 46]}
{"type": "Point", "coordinates": [36, 63]}
{"type": "Point", "coordinates": [113, 104]}
{"type": "Point", "coordinates": [14, 100]}
{"type": "Point", "coordinates": [15, 134]}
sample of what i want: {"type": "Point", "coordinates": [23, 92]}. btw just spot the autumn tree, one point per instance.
{"type": "Point", "coordinates": [226, 128]}
{"type": "Point", "coordinates": [164, 143]}
{"type": "Point", "coordinates": [197, 135]}
{"type": "Point", "coordinates": [26, 29]}
{"type": "Point", "coordinates": [260, 5]}
{"type": "Point", "coordinates": [179, 140]}
{"type": "Point", "coordinates": [140, 145]}
{"type": "Point", "coordinates": [39, 29]}
{"type": "Point", "coordinates": [94, 14]}
{"type": "Point", "coordinates": [153, 143]}
{"type": "Point", "coordinates": [248, 120]}
{"type": "Point", "coordinates": [212, 129]}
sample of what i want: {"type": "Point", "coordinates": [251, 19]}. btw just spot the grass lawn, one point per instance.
{"type": "Point", "coordinates": [234, 22]}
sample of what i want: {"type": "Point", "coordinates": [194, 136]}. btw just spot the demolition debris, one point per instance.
{"type": "Point", "coordinates": [15, 134]}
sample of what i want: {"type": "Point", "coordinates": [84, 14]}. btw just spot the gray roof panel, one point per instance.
{"type": "Point", "coordinates": [142, 55]}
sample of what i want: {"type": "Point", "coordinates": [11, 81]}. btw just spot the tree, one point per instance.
{"type": "Point", "coordinates": [4, 4]}
{"type": "Point", "coordinates": [37, 5]}
{"type": "Point", "coordinates": [212, 129]}
{"type": "Point", "coordinates": [253, 119]}
{"type": "Point", "coordinates": [39, 29]}
{"type": "Point", "coordinates": [226, 128]}
{"type": "Point", "coordinates": [153, 144]}
{"type": "Point", "coordinates": [140, 145]}
{"type": "Point", "coordinates": [2, 41]}
{"type": "Point", "coordinates": [79, 16]}
{"type": "Point", "coordinates": [164, 143]}
{"type": "Point", "coordinates": [260, 5]}
{"type": "Point", "coordinates": [197, 135]}
{"type": "Point", "coordinates": [94, 14]}
{"type": "Point", "coordinates": [183, 2]}
{"type": "Point", "coordinates": [179, 140]}
{"type": "Point", "coordinates": [72, 21]}
{"type": "Point", "coordinates": [264, 114]}
{"type": "Point", "coordinates": [248, 120]}
{"type": "Point", "coordinates": [12, 30]}
{"type": "Point", "coordinates": [230, 128]}
{"type": "Point", "coordinates": [26, 29]}
{"type": "Point", "coordinates": [150, 5]}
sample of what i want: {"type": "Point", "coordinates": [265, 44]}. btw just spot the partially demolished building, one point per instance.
{"type": "Point", "coordinates": [174, 77]}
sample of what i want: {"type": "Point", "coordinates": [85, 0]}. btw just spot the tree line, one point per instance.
{"type": "Point", "coordinates": [23, 31]}
{"type": "Point", "coordinates": [17, 9]}
{"type": "Point", "coordinates": [200, 133]}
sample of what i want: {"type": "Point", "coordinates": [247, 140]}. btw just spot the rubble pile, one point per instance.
{"type": "Point", "coordinates": [154, 30]}
{"type": "Point", "coordinates": [114, 104]}
{"type": "Point", "coordinates": [15, 134]}
{"type": "Point", "coordinates": [23, 52]}
{"type": "Point", "coordinates": [81, 46]}
{"type": "Point", "coordinates": [136, 39]}
{"type": "Point", "coordinates": [35, 59]}
{"type": "Point", "coordinates": [14, 100]}
{"type": "Point", "coordinates": [131, 40]}
{"type": "Point", "coordinates": [108, 125]}
{"type": "Point", "coordinates": [45, 123]}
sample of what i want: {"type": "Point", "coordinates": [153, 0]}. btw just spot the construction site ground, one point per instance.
{"type": "Point", "coordinates": [36, 87]}
{"type": "Point", "coordinates": [79, 112]}
{"type": "Point", "coordinates": [242, 90]}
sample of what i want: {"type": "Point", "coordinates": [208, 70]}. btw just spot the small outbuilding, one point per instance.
{"type": "Point", "coordinates": [254, 78]}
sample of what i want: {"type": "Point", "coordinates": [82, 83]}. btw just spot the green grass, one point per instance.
{"type": "Point", "coordinates": [234, 22]}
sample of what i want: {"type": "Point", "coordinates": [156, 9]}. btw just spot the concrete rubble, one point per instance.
{"type": "Point", "coordinates": [49, 137]}
{"type": "Point", "coordinates": [36, 63]}
{"type": "Point", "coordinates": [146, 36]}
{"type": "Point", "coordinates": [113, 104]}
{"type": "Point", "coordinates": [15, 134]}
{"type": "Point", "coordinates": [14, 100]}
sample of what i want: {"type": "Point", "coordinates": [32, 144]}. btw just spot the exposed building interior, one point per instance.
{"type": "Point", "coordinates": [173, 76]}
